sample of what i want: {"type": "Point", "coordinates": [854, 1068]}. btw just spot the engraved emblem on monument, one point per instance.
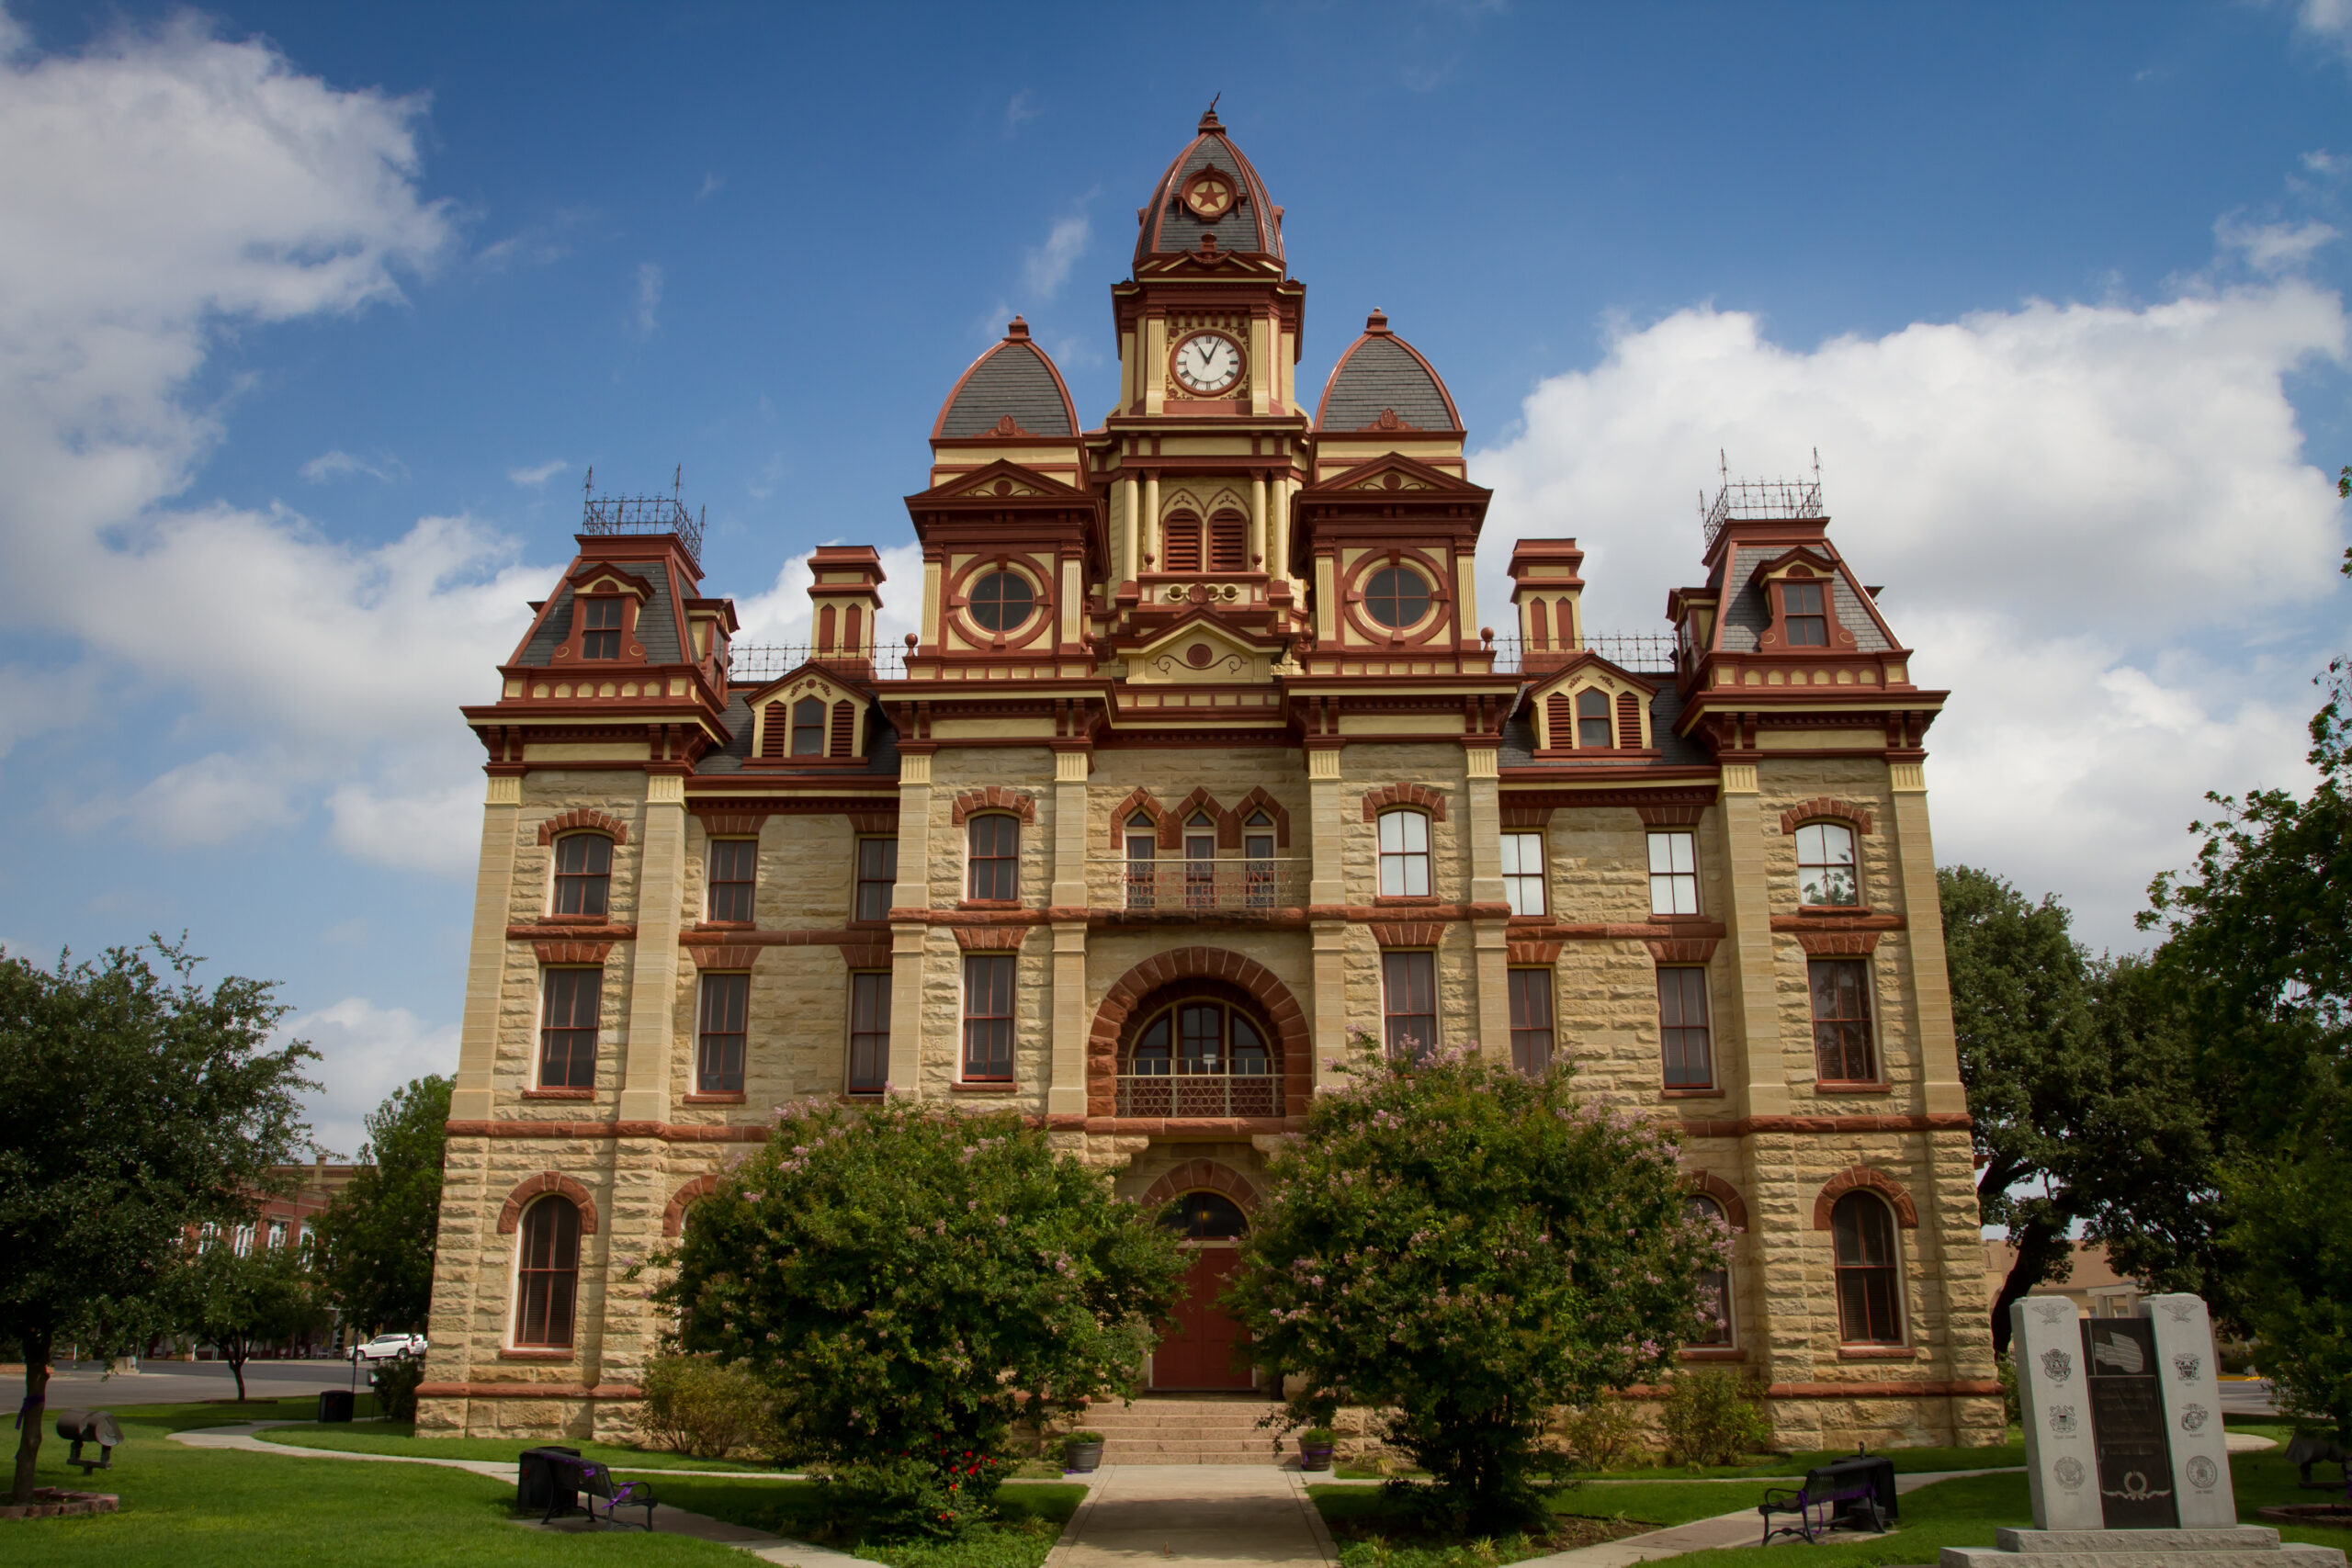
{"type": "Point", "coordinates": [2069, 1471]}
{"type": "Point", "coordinates": [2062, 1420]}
{"type": "Point", "coordinates": [2203, 1473]}
{"type": "Point", "coordinates": [2185, 1366]}
{"type": "Point", "coordinates": [2179, 1311]}
{"type": "Point", "coordinates": [2193, 1416]}
{"type": "Point", "coordinates": [2048, 1311]}
{"type": "Point", "coordinates": [2057, 1366]}
{"type": "Point", "coordinates": [2128, 1425]}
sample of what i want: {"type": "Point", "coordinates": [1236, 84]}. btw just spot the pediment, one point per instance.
{"type": "Point", "coordinates": [1589, 669]}
{"type": "Point", "coordinates": [1391, 473]}
{"type": "Point", "coordinates": [1814, 562]}
{"type": "Point", "coordinates": [810, 680]}
{"type": "Point", "coordinates": [1199, 651]}
{"type": "Point", "coordinates": [1001, 479]}
{"type": "Point", "coordinates": [602, 577]}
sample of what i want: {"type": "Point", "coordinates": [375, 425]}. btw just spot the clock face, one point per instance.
{"type": "Point", "coordinates": [1209, 363]}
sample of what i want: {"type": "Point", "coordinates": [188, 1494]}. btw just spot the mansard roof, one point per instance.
{"type": "Point", "coordinates": [1013, 381]}
{"type": "Point", "coordinates": [1169, 227]}
{"type": "Point", "coordinates": [1383, 383]}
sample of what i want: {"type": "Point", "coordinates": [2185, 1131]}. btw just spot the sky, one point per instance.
{"type": "Point", "coordinates": [314, 320]}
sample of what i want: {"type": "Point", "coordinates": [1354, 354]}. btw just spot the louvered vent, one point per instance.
{"type": "Point", "coordinates": [1629, 721]}
{"type": "Point", "coordinates": [1183, 545]}
{"type": "Point", "coordinates": [1229, 543]}
{"type": "Point", "coordinates": [1559, 721]}
{"type": "Point", "coordinates": [844, 740]}
{"type": "Point", "coordinates": [776, 732]}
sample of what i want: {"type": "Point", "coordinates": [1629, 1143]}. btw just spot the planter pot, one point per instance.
{"type": "Point", "coordinates": [1079, 1459]}
{"type": "Point", "coordinates": [1317, 1457]}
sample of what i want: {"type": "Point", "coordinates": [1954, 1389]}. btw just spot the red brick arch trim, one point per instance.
{"type": "Point", "coordinates": [996, 797]}
{"type": "Point", "coordinates": [1194, 1176]}
{"type": "Point", "coordinates": [1408, 934]}
{"type": "Point", "coordinates": [1821, 806]}
{"type": "Point", "coordinates": [1375, 801]}
{"type": "Point", "coordinates": [674, 1218]}
{"type": "Point", "coordinates": [1531, 953]}
{"type": "Point", "coordinates": [1675, 816]}
{"type": "Point", "coordinates": [531, 1187]}
{"type": "Point", "coordinates": [1838, 944]}
{"type": "Point", "coordinates": [1258, 800]}
{"type": "Point", "coordinates": [1878, 1182]}
{"type": "Point", "coordinates": [586, 818]}
{"type": "Point", "coordinates": [1138, 800]}
{"type": "Point", "coordinates": [990, 938]}
{"type": "Point", "coordinates": [1723, 1192]}
{"type": "Point", "coordinates": [1172, 826]}
{"type": "Point", "coordinates": [1283, 1013]}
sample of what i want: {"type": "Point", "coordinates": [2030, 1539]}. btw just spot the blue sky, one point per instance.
{"type": "Point", "coordinates": [311, 318]}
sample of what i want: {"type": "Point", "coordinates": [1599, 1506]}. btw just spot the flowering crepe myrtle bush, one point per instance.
{"type": "Point", "coordinates": [1469, 1249]}
{"type": "Point", "coordinates": [910, 1283]}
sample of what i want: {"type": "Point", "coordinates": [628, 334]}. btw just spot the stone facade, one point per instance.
{"type": "Point", "coordinates": [1206, 687]}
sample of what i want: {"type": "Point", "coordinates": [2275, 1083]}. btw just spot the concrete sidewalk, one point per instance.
{"type": "Point", "coordinates": [1211, 1515]}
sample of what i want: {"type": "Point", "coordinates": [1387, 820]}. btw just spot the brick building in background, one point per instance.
{"type": "Point", "coordinates": [1201, 763]}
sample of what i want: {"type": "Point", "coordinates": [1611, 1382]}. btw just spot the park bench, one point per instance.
{"type": "Point", "coordinates": [1847, 1492]}
{"type": "Point", "coordinates": [595, 1484]}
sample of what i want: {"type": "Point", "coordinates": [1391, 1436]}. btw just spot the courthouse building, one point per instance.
{"type": "Point", "coordinates": [1204, 771]}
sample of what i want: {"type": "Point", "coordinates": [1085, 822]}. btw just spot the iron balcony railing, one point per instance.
{"type": "Point", "coordinates": [1643, 653]}
{"type": "Point", "coordinates": [1239, 883]}
{"type": "Point", "coordinates": [1200, 1094]}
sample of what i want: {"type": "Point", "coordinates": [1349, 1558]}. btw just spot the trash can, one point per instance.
{"type": "Point", "coordinates": [541, 1487]}
{"type": "Point", "coordinates": [334, 1404]}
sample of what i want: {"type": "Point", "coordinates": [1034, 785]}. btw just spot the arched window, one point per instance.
{"type": "Point", "coordinates": [1202, 1056]}
{"type": "Point", "coordinates": [995, 856]}
{"type": "Point", "coordinates": [584, 874]}
{"type": "Point", "coordinates": [1714, 1284]}
{"type": "Point", "coordinates": [809, 727]}
{"type": "Point", "coordinates": [1826, 870]}
{"type": "Point", "coordinates": [1592, 721]}
{"type": "Point", "coordinates": [547, 1274]}
{"type": "Point", "coordinates": [1396, 597]}
{"type": "Point", "coordinates": [1180, 544]}
{"type": "Point", "coordinates": [1861, 1236]}
{"type": "Point", "coordinates": [1206, 1216]}
{"type": "Point", "coordinates": [1199, 861]}
{"type": "Point", "coordinates": [1142, 848]}
{"type": "Point", "coordinates": [1002, 600]}
{"type": "Point", "coordinates": [1258, 866]}
{"type": "Point", "coordinates": [1228, 542]}
{"type": "Point", "coordinates": [1404, 855]}
{"type": "Point", "coordinates": [1803, 616]}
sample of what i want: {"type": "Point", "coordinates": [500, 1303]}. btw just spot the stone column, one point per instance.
{"type": "Point", "coordinates": [653, 968]}
{"type": "Point", "coordinates": [1482, 828]}
{"type": "Point", "coordinates": [1065, 1091]}
{"type": "Point", "coordinates": [486, 959]}
{"type": "Point", "coordinates": [1130, 531]}
{"type": "Point", "coordinates": [1326, 899]}
{"type": "Point", "coordinates": [1151, 521]}
{"type": "Point", "coordinates": [908, 938]}
{"type": "Point", "coordinates": [2053, 1392]}
{"type": "Point", "coordinates": [1931, 988]}
{"type": "Point", "coordinates": [1259, 560]}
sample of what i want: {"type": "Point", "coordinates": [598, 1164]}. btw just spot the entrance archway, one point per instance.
{"type": "Point", "coordinates": [1203, 1349]}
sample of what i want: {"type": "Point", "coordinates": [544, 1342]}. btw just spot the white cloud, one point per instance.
{"type": "Point", "coordinates": [2074, 507]}
{"type": "Point", "coordinates": [435, 831]}
{"type": "Point", "coordinates": [2330, 20]}
{"type": "Point", "coordinates": [339, 464]}
{"type": "Point", "coordinates": [1022, 105]}
{"type": "Point", "coordinates": [160, 185]}
{"type": "Point", "coordinates": [368, 1052]}
{"type": "Point", "coordinates": [537, 474]}
{"type": "Point", "coordinates": [649, 297]}
{"type": "Point", "coordinates": [2273, 247]}
{"type": "Point", "coordinates": [34, 701]}
{"type": "Point", "coordinates": [1047, 268]}
{"type": "Point", "coordinates": [711, 185]}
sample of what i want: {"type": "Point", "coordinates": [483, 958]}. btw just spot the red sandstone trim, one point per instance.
{"type": "Point", "coordinates": [572, 952]}
{"type": "Point", "coordinates": [527, 1390]}
{"type": "Point", "coordinates": [559, 1094]}
{"type": "Point", "coordinates": [530, 1187]}
{"type": "Point", "coordinates": [733, 956]}
{"type": "Point", "coordinates": [668, 1132]}
{"type": "Point", "coordinates": [1138, 799]}
{"type": "Point", "coordinates": [1527, 816]}
{"type": "Point", "coordinates": [553, 931]}
{"type": "Point", "coordinates": [1681, 950]}
{"type": "Point", "coordinates": [996, 797]}
{"type": "Point", "coordinates": [1193, 1176]}
{"type": "Point", "coordinates": [1258, 800]}
{"type": "Point", "coordinates": [1822, 806]}
{"type": "Point", "coordinates": [565, 1354]}
{"type": "Point", "coordinates": [1672, 816]}
{"type": "Point", "coordinates": [1377, 800]}
{"type": "Point", "coordinates": [1723, 1192]}
{"type": "Point", "coordinates": [585, 817]}
{"type": "Point", "coordinates": [1824, 921]}
{"type": "Point", "coordinates": [714, 1097]}
{"type": "Point", "coordinates": [1531, 953]}
{"type": "Point", "coordinates": [1408, 934]}
{"type": "Point", "coordinates": [673, 1217]}
{"type": "Point", "coordinates": [990, 938]}
{"type": "Point", "coordinates": [1878, 1182]}
{"type": "Point", "coordinates": [1877, 1353]}
{"type": "Point", "coordinates": [884, 822]}
{"type": "Point", "coordinates": [1933, 1122]}
{"type": "Point", "coordinates": [1281, 1009]}
{"type": "Point", "coordinates": [719, 824]}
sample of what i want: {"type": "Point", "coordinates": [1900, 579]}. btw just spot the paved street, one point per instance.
{"type": "Point", "coordinates": [177, 1382]}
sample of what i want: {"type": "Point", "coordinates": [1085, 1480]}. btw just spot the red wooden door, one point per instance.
{"type": "Point", "coordinates": [1201, 1346]}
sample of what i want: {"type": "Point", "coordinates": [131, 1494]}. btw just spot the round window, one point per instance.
{"type": "Point", "coordinates": [1396, 596]}
{"type": "Point", "coordinates": [1002, 600]}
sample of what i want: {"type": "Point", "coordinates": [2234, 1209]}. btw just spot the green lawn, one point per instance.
{"type": "Point", "coordinates": [1032, 1515]}
{"type": "Point", "coordinates": [1907, 1462]}
{"type": "Point", "coordinates": [1655, 1502]}
{"type": "Point", "coordinates": [398, 1437]}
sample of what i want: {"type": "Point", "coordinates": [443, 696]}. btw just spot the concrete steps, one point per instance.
{"type": "Point", "coordinates": [1187, 1431]}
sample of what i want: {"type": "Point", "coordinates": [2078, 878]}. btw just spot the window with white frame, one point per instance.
{"type": "Point", "coordinates": [1404, 855]}
{"type": "Point", "coordinates": [1826, 872]}
{"type": "Point", "coordinates": [1674, 872]}
{"type": "Point", "coordinates": [1524, 872]}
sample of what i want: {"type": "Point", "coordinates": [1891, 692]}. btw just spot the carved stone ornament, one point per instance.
{"type": "Point", "coordinates": [2057, 1366]}
{"type": "Point", "coordinates": [2203, 1474]}
{"type": "Point", "coordinates": [2185, 1367]}
{"type": "Point", "coordinates": [2069, 1473]}
{"type": "Point", "coordinates": [2063, 1421]}
{"type": "Point", "coordinates": [2048, 1311]}
{"type": "Point", "coordinates": [2192, 1417]}
{"type": "Point", "coordinates": [2179, 1311]}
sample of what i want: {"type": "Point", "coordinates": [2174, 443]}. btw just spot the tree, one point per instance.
{"type": "Point", "coordinates": [910, 1283]}
{"type": "Point", "coordinates": [2290, 1235]}
{"type": "Point", "coordinates": [376, 1238]}
{"type": "Point", "coordinates": [2022, 1023]}
{"type": "Point", "coordinates": [140, 1103]}
{"type": "Point", "coordinates": [1470, 1249]}
{"type": "Point", "coordinates": [242, 1301]}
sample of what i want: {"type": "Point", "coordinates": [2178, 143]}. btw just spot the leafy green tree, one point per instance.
{"type": "Point", "coordinates": [1470, 1249]}
{"type": "Point", "coordinates": [2290, 1235]}
{"type": "Point", "coordinates": [376, 1238]}
{"type": "Point", "coordinates": [140, 1103]}
{"type": "Point", "coordinates": [242, 1301]}
{"type": "Point", "coordinates": [910, 1283]}
{"type": "Point", "coordinates": [2022, 1020]}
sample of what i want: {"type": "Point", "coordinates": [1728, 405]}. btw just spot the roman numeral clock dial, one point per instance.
{"type": "Point", "coordinates": [1209, 364]}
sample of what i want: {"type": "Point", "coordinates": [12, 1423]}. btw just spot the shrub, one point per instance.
{"type": "Point", "coordinates": [1709, 1417]}
{"type": "Point", "coordinates": [909, 1284]}
{"type": "Point", "coordinates": [396, 1380]}
{"type": "Point", "coordinates": [694, 1406]}
{"type": "Point", "coordinates": [1467, 1249]}
{"type": "Point", "coordinates": [1600, 1435]}
{"type": "Point", "coordinates": [1318, 1437]}
{"type": "Point", "coordinates": [2012, 1408]}
{"type": "Point", "coordinates": [1079, 1439]}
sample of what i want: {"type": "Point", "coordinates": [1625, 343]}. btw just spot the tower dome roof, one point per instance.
{"type": "Point", "coordinates": [1382, 382]}
{"type": "Point", "coordinates": [1192, 200]}
{"type": "Point", "coordinates": [1012, 389]}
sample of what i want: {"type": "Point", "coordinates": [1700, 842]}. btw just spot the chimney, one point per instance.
{"type": "Point", "coordinates": [845, 595]}
{"type": "Point", "coordinates": [1544, 586]}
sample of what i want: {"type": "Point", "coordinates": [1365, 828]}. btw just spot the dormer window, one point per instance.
{"type": "Point", "coordinates": [809, 727]}
{"type": "Point", "coordinates": [1804, 615]}
{"type": "Point", "coordinates": [600, 624]}
{"type": "Point", "coordinates": [1592, 721]}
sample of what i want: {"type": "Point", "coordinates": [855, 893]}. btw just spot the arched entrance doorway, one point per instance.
{"type": "Point", "coordinates": [1200, 1346]}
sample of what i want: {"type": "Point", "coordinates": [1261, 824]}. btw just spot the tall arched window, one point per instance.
{"type": "Point", "coordinates": [1861, 1235]}
{"type": "Point", "coordinates": [1199, 861]}
{"type": "Point", "coordinates": [1592, 721]}
{"type": "Point", "coordinates": [1143, 848]}
{"type": "Point", "coordinates": [1404, 855]}
{"type": "Point", "coordinates": [1206, 1216]}
{"type": "Point", "coordinates": [1714, 1284]}
{"type": "Point", "coordinates": [809, 727]}
{"type": "Point", "coordinates": [1258, 851]}
{"type": "Point", "coordinates": [547, 1274]}
{"type": "Point", "coordinates": [1202, 1056]}
{"type": "Point", "coordinates": [584, 874]}
{"type": "Point", "coordinates": [1826, 872]}
{"type": "Point", "coordinates": [995, 857]}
